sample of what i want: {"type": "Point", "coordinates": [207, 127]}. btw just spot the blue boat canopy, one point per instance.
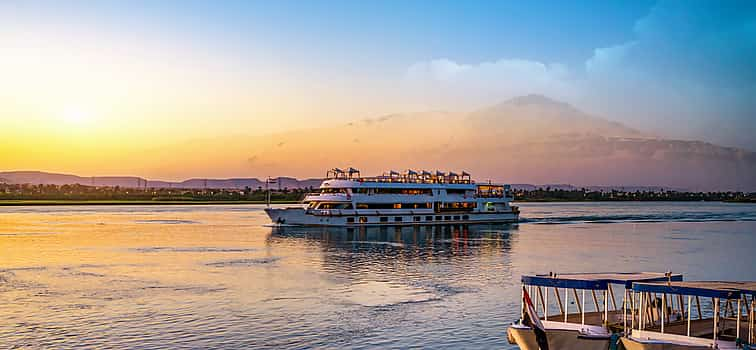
{"type": "Point", "coordinates": [597, 281]}
{"type": "Point", "coordinates": [745, 287]}
{"type": "Point", "coordinates": [710, 289]}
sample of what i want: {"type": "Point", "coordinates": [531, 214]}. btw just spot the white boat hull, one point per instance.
{"type": "Point", "coordinates": [649, 340]}
{"type": "Point", "coordinates": [565, 339]}
{"type": "Point", "coordinates": [300, 216]}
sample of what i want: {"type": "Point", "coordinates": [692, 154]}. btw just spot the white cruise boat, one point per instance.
{"type": "Point", "coordinates": [411, 198]}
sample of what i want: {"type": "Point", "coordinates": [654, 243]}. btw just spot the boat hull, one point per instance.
{"type": "Point", "coordinates": [300, 216]}
{"type": "Point", "coordinates": [631, 344]}
{"type": "Point", "coordinates": [649, 340]}
{"type": "Point", "coordinates": [557, 338]}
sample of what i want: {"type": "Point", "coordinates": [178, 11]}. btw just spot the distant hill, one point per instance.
{"type": "Point", "coordinates": [525, 117]}
{"type": "Point", "coordinates": [38, 177]}
{"type": "Point", "coordinates": [529, 139]}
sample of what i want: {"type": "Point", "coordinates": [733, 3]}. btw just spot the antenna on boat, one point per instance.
{"type": "Point", "coordinates": [267, 190]}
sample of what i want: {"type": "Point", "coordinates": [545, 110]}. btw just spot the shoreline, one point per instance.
{"type": "Point", "coordinates": [65, 202]}
{"type": "Point", "coordinates": [44, 202]}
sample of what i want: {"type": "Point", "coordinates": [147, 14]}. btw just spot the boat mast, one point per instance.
{"type": "Point", "coordinates": [267, 190]}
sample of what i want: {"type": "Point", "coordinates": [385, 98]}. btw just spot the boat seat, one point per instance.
{"type": "Point", "coordinates": [591, 318]}
{"type": "Point", "coordinates": [699, 328]}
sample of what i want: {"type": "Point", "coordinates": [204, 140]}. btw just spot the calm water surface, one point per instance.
{"type": "Point", "coordinates": [214, 277]}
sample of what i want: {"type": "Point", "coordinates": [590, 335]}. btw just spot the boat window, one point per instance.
{"type": "Point", "coordinates": [465, 217]}
{"type": "Point", "coordinates": [428, 218]}
{"type": "Point", "coordinates": [394, 205]}
{"type": "Point", "coordinates": [447, 217]}
{"type": "Point", "coordinates": [416, 218]}
{"type": "Point", "coordinates": [333, 190]}
{"type": "Point", "coordinates": [384, 219]}
{"type": "Point", "coordinates": [456, 217]}
{"type": "Point", "coordinates": [410, 191]}
{"type": "Point", "coordinates": [363, 219]}
{"type": "Point", "coordinates": [327, 205]}
{"type": "Point", "coordinates": [491, 191]}
{"type": "Point", "coordinates": [458, 206]}
{"type": "Point", "coordinates": [350, 220]}
{"type": "Point", "coordinates": [455, 191]}
{"type": "Point", "coordinates": [397, 218]}
{"type": "Point", "coordinates": [438, 218]}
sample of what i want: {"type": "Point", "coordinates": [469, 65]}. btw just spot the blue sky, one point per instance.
{"type": "Point", "coordinates": [674, 68]}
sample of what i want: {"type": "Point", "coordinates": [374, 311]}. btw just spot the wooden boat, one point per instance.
{"type": "Point", "coordinates": [665, 317]}
{"type": "Point", "coordinates": [586, 327]}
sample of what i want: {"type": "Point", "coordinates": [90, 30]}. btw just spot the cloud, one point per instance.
{"type": "Point", "coordinates": [439, 70]}
{"type": "Point", "coordinates": [688, 72]}
{"type": "Point", "coordinates": [607, 57]}
{"type": "Point", "coordinates": [447, 84]}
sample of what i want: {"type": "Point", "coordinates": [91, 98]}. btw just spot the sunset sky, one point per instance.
{"type": "Point", "coordinates": [87, 86]}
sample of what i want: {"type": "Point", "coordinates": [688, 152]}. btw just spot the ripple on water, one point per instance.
{"type": "Point", "coordinates": [393, 244]}
{"type": "Point", "coordinates": [28, 233]}
{"type": "Point", "coordinates": [377, 293]}
{"type": "Point", "coordinates": [167, 222]}
{"type": "Point", "coordinates": [193, 249]}
{"type": "Point", "coordinates": [244, 262]}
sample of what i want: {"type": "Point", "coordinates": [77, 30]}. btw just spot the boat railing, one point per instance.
{"type": "Point", "coordinates": [490, 195]}
{"type": "Point", "coordinates": [380, 179]}
{"type": "Point", "coordinates": [328, 212]}
{"type": "Point", "coordinates": [673, 320]}
{"type": "Point", "coordinates": [580, 287]}
{"type": "Point", "coordinates": [325, 194]}
{"type": "Point", "coordinates": [387, 212]}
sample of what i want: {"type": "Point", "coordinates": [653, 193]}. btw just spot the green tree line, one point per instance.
{"type": "Point", "coordinates": [82, 192]}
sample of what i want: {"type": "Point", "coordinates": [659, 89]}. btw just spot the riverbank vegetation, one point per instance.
{"type": "Point", "coordinates": [14, 194]}
{"type": "Point", "coordinates": [117, 195]}
{"type": "Point", "coordinates": [580, 195]}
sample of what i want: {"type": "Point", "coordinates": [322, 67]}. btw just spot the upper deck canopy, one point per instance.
{"type": "Point", "coordinates": [408, 176]}
{"type": "Point", "coordinates": [599, 280]}
{"type": "Point", "coordinates": [712, 289]}
{"type": "Point", "coordinates": [747, 287]}
{"type": "Point", "coordinates": [409, 185]}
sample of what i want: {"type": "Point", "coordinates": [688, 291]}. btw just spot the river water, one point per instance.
{"type": "Point", "coordinates": [164, 277]}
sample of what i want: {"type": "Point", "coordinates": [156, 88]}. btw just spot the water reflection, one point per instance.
{"type": "Point", "coordinates": [437, 240]}
{"type": "Point", "coordinates": [215, 277]}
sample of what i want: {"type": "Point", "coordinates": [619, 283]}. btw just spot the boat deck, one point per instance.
{"type": "Point", "coordinates": [701, 328]}
{"type": "Point", "coordinates": [591, 318]}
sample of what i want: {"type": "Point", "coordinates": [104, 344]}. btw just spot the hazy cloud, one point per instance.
{"type": "Point", "coordinates": [689, 72]}
{"type": "Point", "coordinates": [447, 84]}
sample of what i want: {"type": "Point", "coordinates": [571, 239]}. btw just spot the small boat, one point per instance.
{"type": "Point", "coordinates": [584, 327]}
{"type": "Point", "coordinates": [725, 321]}
{"type": "Point", "coordinates": [345, 198]}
